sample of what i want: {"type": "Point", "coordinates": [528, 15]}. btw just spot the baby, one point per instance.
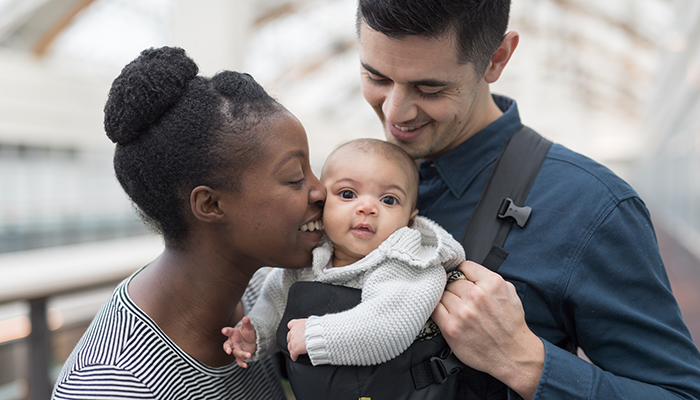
{"type": "Point", "coordinates": [375, 242]}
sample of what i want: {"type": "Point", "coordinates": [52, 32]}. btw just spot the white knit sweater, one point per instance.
{"type": "Point", "coordinates": [402, 282]}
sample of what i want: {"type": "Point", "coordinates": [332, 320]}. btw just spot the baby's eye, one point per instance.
{"type": "Point", "coordinates": [390, 200]}
{"type": "Point", "coordinates": [347, 194]}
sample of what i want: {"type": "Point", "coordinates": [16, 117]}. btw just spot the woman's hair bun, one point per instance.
{"type": "Point", "coordinates": [145, 90]}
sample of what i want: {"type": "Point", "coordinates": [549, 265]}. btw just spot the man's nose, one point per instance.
{"type": "Point", "coordinates": [398, 106]}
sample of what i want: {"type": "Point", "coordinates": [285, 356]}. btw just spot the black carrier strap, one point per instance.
{"type": "Point", "coordinates": [500, 204]}
{"type": "Point", "coordinates": [507, 188]}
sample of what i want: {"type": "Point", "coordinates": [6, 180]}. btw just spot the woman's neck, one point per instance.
{"type": "Point", "coordinates": [191, 296]}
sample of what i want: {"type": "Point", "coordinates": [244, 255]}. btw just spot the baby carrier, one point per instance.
{"type": "Point", "coordinates": [427, 369]}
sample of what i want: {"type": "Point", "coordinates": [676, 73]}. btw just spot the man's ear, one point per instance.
{"type": "Point", "coordinates": [502, 56]}
{"type": "Point", "coordinates": [413, 217]}
{"type": "Point", "coordinates": [204, 202]}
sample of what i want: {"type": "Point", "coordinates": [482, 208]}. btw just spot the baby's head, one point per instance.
{"type": "Point", "coordinates": [372, 190]}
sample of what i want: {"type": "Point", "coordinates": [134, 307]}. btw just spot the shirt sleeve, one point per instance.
{"type": "Point", "coordinates": [267, 312]}
{"type": "Point", "coordinates": [397, 299]}
{"type": "Point", "coordinates": [619, 308]}
{"type": "Point", "coordinates": [95, 382]}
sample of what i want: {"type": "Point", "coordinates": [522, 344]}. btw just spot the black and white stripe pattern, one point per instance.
{"type": "Point", "coordinates": [124, 355]}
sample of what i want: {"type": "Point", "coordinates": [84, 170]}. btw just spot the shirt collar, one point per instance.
{"type": "Point", "coordinates": [460, 167]}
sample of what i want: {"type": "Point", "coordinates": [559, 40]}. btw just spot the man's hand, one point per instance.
{"type": "Point", "coordinates": [240, 342]}
{"type": "Point", "coordinates": [483, 321]}
{"type": "Point", "coordinates": [296, 343]}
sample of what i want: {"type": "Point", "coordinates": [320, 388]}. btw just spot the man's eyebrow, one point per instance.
{"type": "Point", "coordinates": [421, 82]}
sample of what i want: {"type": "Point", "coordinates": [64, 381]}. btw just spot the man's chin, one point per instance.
{"type": "Point", "coordinates": [412, 148]}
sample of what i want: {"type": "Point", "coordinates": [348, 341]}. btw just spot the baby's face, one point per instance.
{"type": "Point", "coordinates": [368, 198]}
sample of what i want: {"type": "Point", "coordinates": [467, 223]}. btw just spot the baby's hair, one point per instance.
{"type": "Point", "coordinates": [176, 130]}
{"type": "Point", "coordinates": [391, 151]}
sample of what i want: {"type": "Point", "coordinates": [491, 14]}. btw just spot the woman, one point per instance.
{"type": "Point", "coordinates": [221, 170]}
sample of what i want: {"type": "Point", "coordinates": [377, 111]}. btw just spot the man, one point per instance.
{"type": "Point", "coordinates": [584, 272]}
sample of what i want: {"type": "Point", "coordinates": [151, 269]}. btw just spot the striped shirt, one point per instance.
{"type": "Point", "coordinates": [125, 355]}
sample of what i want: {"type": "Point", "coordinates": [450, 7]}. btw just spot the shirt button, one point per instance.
{"type": "Point", "coordinates": [427, 170]}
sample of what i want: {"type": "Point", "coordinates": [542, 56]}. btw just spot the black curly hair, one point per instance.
{"type": "Point", "coordinates": [175, 130]}
{"type": "Point", "coordinates": [479, 24]}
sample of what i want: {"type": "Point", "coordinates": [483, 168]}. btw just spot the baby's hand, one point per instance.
{"type": "Point", "coordinates": [296, 343]}
{"type": "Point", "coordinates": [240, 342]}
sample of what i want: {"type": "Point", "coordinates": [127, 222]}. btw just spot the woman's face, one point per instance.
{"type": "Point", "coordinates": [279, 198]}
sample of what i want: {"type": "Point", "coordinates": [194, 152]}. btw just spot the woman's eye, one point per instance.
{"type": "Point", "coordinates": [389, 200]}
{"type": "Point", "coordinates": [298, 183]}
{"type": "Point", "coordinates": [347, 194]}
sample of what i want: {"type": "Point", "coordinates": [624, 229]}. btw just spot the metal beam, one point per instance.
{"type": "Point", "coordinates": [39, 351]}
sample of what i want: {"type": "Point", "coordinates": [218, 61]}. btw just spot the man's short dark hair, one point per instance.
{"type": "Point", "coordinates": [479, 24]}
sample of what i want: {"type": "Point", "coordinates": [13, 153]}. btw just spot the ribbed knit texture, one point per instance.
{"type": "Point", "coordinates": [402, 282]}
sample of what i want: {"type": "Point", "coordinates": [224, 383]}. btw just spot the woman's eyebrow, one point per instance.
{"type": "Point", "coordinates": [289, 156]}
{"type": "Point", "coordinates": [420, 82]}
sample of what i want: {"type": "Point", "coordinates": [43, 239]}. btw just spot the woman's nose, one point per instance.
{"type": "Point", "coordinates": [317, 192]}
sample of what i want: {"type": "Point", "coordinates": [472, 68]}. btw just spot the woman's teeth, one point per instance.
{"type": "Point", "coordinates": [312, 226]}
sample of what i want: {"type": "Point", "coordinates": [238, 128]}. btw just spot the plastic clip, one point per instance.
{"type": "Point", "coordinates": [519, 214]}
{"type": "Point", "coordinates": [445, 365]}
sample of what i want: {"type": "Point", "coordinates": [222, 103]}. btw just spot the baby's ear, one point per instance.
{"type": "Point", "coordinates": [413, 217]}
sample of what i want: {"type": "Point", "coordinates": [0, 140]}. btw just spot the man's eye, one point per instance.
{"type": "Point", "coordinates": [347, 194]}
{"type": "Point", "coordinates": [376, 79]}
{"type": "Point", "coordinates": [389, 200]}
{"type": "Point", "coordinates": [428, 94]}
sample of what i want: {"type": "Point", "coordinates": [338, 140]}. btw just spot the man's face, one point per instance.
{"type": "Point", "coordinates": [427, 101]}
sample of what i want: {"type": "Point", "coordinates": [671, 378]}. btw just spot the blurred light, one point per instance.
{"type": "Point", "coordinates": [692, 74]}
{"type": "Point", "coordinates": [676, 42]}
{"type": "Point", "coordinates": [14, 328]}
{"type": "Point", "coordinates": [54, 318]}
{"type": "Point", "coordinates": [16, 389]}
{"type": "Point", "coordinates": [20, 327]}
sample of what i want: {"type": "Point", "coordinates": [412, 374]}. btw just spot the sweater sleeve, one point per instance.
{"type": "Point", "coordinates": [266, 314]}
{"type": "Point", "coordinates": [397, 299]}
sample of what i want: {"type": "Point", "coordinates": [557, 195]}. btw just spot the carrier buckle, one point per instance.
{"type": "Point", "coordinates": [519, 214]}
{"type": "Point", "coordinates": [445, 365]}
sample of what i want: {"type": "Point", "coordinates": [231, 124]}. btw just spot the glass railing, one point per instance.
{"type": "Point", "coordinates": [53, 197]}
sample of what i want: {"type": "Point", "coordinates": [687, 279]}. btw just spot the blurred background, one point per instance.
{"type": "Point", "coordinates": [618, 81]}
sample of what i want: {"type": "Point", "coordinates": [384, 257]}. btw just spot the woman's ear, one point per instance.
{"type": "Point", "coordinates": [204, 202]}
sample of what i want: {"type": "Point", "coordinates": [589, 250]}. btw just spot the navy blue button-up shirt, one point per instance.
{"type": "Point", "coordinates": [586, 267]}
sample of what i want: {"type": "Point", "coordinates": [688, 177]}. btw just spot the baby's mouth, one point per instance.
{"type": "Point", "coordinates": [363, 228]}
{"type": "Point", "coordinates": [312, 226]}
